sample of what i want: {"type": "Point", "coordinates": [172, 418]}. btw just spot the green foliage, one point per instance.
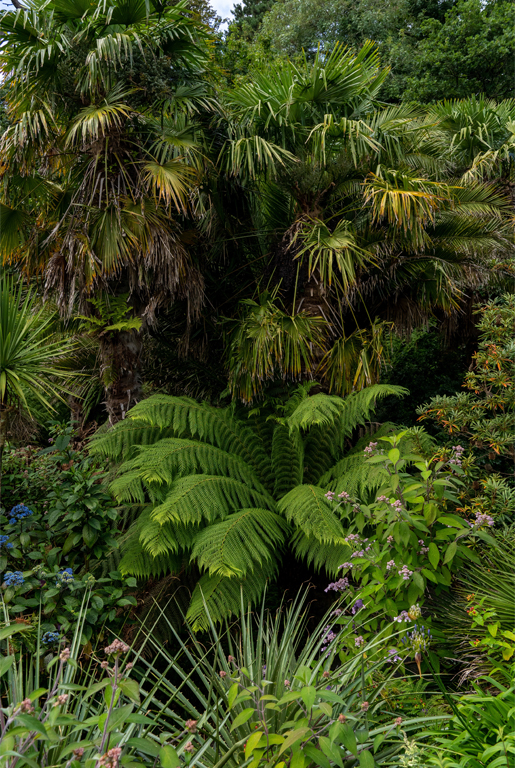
{"type": "Point", "coordinates": [482, 732]}
{"type": "Point", "coordinates": [55, 711]}
{"type": "Point", "coordinates": [411, 536]}
{"type": "Point", "coordinates": [30, 357]}
{"type": "Point", "coordinates": [486, 413]}
{"type": "Point", "coordinates": [220, 491]}
{"type": "Point", "coordinates": [60, 529]}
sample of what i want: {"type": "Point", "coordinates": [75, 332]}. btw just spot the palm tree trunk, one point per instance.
{"type": "Point", "coordinates": [120, 355]}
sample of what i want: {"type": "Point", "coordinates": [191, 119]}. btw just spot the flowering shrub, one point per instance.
{"type": "Point", "coordinates": [410, 536]}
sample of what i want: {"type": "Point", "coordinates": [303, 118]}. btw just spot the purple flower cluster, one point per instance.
{"type": "Point", "coordinates": [338, 586]}
{"type": "Point", "coordinates": [456, 456]}
{"type": "Point", "coordinates": [359, 642]}
{"type": "Point", "coordinates": [370, 450]}
{"type": "Point", "coordinates": [344, 565]}
{"type": "Point", "coordinates": [390, 564]}
{"type": "Point", "coordinates": [328, 638]}
{"type": "Point", "coordinates": [395, 505]}
{"type": "Point", "coordinates": [358, 605]}
{"type": "Point", "coordinates": [393, 655]}
{"type": "Point", "coordinates": [483, 519]}
{"type": "Point", "coordinates": [4, 542]}
{"type": "Point", "coordinates": [403, 616]}
{"type": "Point", "coordinates": [330, 495]}
{"type": "Point", "coordinates": [405, 573]}
{"type": "Point", "coordinates": [423, 550]}
{"type": "Point", "coordinates": [64, 577]}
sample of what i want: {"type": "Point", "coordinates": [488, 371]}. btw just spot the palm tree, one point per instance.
{"type": "Point", "coordinates": [363, 218]}
{"type": "Point", "coordinates": [101, 158]}
{"type": "Point", "coordinates": [227, 490]}
{"type": "Point", "coordinates": [31, 371]}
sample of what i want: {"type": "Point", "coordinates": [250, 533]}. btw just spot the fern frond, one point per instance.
{"type": "Point", "coordinates": [287, 450]}
{"type": "Point", "coordinates": [169, 539]}
{"type": "Point", "coordinates": [120, 439]}
{"type": "Point", "coordinates": [322, 556]}
{"type": "Point", "coordinates": [241, 542]}
{"type": "Point", "coordinates": [186, 418]}
{"type": "Point", "coordinates": [359, 406]}
{"type": "Point", "coordinates": [321, 450]}
{"type": "Point", "coordinates": [138, 561]}
{"type": "Point", "coordinates": [208, 497]}
{"type": "Point", "coordinates": [319, 410]}
{"type": "Point", "coordinates": [223, 596]}
{"type": "Point", "coordinates": [308, 509]}
{"type": "Point", "coordinates": [171, 458]}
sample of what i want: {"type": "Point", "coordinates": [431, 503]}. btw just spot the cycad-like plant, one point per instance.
{"type": "Point", "coordinates": [228, 490]}
{"type": "Point", "coordinates": [31, 358]}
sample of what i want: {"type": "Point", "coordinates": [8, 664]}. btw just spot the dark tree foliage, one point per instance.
{"type": "Point", "coordinates": [249, 16]}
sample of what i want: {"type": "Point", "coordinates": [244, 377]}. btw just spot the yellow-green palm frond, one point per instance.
{"type": "Point", "coordinates": [98, 120]}
{"type": "Point", "coordinates": [170, 181]}
{"type": "Point", "coordinates": [328, 252]}
{"type": "Point", "coordinates": [267, 343]}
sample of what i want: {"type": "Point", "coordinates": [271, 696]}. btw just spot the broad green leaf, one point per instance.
{"type": "Point", "coordinates": [316, 756]}
{"type": "Point", "coordinates": [147, 746]}
{"type": "Point", "coordinates": [450, 552]}
{"type": "Point", "coordinates": [292, 737]}
{"type": "Point", "coordinates": [169, 757]}
{"type": "Point", "coordinates": [252, 743]}
{"type": "Point", "coordinates": [130, 688]}
{"type": "Point", "coordinates": [12, 629]}
{"type": "Point", "coordinates": [6, 663]}
{"type": "Point", "coordinates": [349, 739]}
{"type": "Point", "coordinates": [308, 696]}
{"type": "Point", "coordinates": [366, 760]}
{"type": "Point", "coordinates": [242, 717]}
{"type": "Point", "coordinates": [394, 455]}
{"type": "Point", "coordinates": [434, 554]}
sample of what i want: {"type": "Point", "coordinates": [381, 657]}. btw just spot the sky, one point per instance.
{"type": "Point", "coordinates": [223, 7]}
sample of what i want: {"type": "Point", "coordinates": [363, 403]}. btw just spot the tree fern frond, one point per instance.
{"type": "Point", "coordinates": [241, 542]}
{"type": "Point", "coordinates": [359, 406]}
{"type": "Point", "coordinates": [174, 457]}
{"type": "Point", "coordinates": [287, 450]}
{"type": "Point", "coordinates": [322, 556]}
{"type": "Point", "coordinates": [321, 446]}
{"type": "Point", "coordinates": [119, 440]}
{"type": "Point", "coordinates": [308, 509]}
{"type": "Point", "coordinates": [137, 561]}
{"type": "Point", "coordinates": [186, 418]}
{"type": "Point", "coordinates": [319, 410]}
{"type": "Point", "coordinates": [166, 540]}
{"type": "Point", "coordinates": [223, 596]}
{"type": "Point", "coordinates": [208, 497]}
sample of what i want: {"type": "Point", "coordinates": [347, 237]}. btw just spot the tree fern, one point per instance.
{"type": "Point", "coordinates": [208, 496]}
{"type": "Point", "coordinates": [241, 542]}
{"type": "Point", "coordinates": [307, 508]}
{"type": "Point", "coordinates": [223, 595]}
{"type": "Point", "coordinates": [287, 450]}
{"type": "Point", "coordinates": [138, 561]}
{"type": "Point", "coordinates": [184, 417]}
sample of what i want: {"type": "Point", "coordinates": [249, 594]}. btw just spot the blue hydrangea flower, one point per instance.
{"type": "Point", "coordinates": [50, 637]}
{"type": "Point", "coordinates": [14, 578]}
{"type": "Point", "coordinates": [4, 542]}
{"type": "Point", "coordinates": [64, 577]}
{"type": "Point", "coordinates": [18, 512]}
